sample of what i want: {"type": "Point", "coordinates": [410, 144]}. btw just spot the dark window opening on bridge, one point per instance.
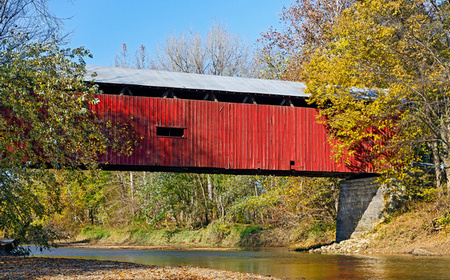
{"type": "Point", "coordinates": [169, 131]}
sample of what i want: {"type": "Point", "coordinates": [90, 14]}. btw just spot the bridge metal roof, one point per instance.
{"type": "Point", "coordinates": [177, 80]}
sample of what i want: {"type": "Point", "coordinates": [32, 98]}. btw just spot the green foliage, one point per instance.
{"type": "Point", "coordinates": [215, 234]}
{"type": "Point", "coordinates": [45, 122]}
{"type": "Point", "coordinates": [219, 230]}
{"type": "Point", "coordinates": [83, 197]}
{"type": "Point", "coordinates": [286, 201]}
{"type": "Point", "coordinates": [315, 233]}
{"type": "Point", "coordinates": [426, 192]}
{"type": "Point", "coordinates": [186, 200]}
{"type": "Point", "coordinates": [322, 227]}
{"type": "Point", "coordinates": [248, 236]}
{"type": "Point", "coordinates": [177, 208]}
{"type": "Point", "coordinates": [95, 232]}
{"type": "Point", "coordinates": [44, 102]}
{"type": "Point", "coordinates": [25, 203]}
{"type": "Point", "coordinates": [172, 198]}
{"type": "Point", "coordinates": [250, 230]}
{"type": "Point", "coordinates": [444, 221]}
{"type": "Point", "coordinates": [383, 72]}
{"type": "Point", "coordinates": [253, 209]}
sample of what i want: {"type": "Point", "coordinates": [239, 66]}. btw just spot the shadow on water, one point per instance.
{"type": "Point", "coordinates": [277, 262]}
{"type": "Point", "coordinates": [313, 247]}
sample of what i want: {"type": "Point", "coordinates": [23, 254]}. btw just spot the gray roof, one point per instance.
{"type": "Point", "coordinates": [177, 80]}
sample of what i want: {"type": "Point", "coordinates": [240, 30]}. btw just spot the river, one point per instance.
{"type": "Point", "coordinates": [277, 262]}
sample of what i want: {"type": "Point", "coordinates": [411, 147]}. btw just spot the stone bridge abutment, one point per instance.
{"type": "Point", "coordinates": [360, 208]}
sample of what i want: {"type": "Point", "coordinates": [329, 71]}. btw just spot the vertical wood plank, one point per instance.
{"type": "Point", "coordinates": [220, 135]}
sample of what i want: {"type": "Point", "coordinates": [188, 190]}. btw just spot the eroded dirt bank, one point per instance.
{"type": "Point", "coordinates": [424, 230]}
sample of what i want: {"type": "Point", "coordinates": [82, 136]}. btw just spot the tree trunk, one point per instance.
{"type": "Point", "coordinates": [206, 209]}
{"type": "Point", "coordinates": [445, 155]}
{"type": "Point", "coordinates": [210, 188]}
{"type": "Point", "coordinates": [212, 204]}
{"type": "Point", "coordinates": [91, 216]}
{"type": "Point", "coordinates": [132, 193]}
{"type": "Point", "coordinates": [446, 160]}
{"type": "Point", "coordinates": [437, 166]}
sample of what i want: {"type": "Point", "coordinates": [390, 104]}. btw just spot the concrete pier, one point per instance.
{"type": "Point", "coordinates": [360, 207]}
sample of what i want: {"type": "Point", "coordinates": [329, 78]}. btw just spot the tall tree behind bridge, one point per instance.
{"type": "Point", "coordinates": [305, 24]}
{"type": "Point", "coordinates": [396, 53]}
{"type": "Point", "coordinates": [219, 53]}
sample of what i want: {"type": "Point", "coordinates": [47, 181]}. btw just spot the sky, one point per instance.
{"type": "Point", "coordinates": [103, 26]}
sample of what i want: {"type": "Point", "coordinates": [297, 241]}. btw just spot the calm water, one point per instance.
{"type": "Point", "coordinates": [277, 262]}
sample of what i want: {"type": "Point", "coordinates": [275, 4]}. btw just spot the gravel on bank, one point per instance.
{"type": "Point", "coordinates": [61, 268]}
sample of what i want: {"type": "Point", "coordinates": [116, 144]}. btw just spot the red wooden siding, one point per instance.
{"type": "Point", "coordinates": [221, 136]}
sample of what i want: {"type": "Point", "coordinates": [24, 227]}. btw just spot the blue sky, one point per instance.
{"type": "Point", "coordinates": [103, 25]}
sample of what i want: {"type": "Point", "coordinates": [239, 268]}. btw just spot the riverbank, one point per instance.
{"type": "Point", "coordinates": [423, 230]}
{"type": "Point", "coordinates": [60, 268]}
{"type": "Point", "coordinates": [215, 236]}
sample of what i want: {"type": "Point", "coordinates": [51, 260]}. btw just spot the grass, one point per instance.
{"type": "Point", "coordinates": [95, 233]}
{"type": "Point", "coordinates": [215, 235]}
{"type": "Point", "coordinates": [313, 234]}
{"type": "Point", "coordinates": [425, 225]}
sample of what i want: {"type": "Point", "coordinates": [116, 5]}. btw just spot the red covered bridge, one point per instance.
{"type": "Point", "coordinates": [214, 124]}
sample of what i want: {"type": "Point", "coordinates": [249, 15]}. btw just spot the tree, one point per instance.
{"type": "Point", "coordinates": [287, 202]}
{"type": "Point", "coordinates": [385, 73]}
{"type": "Point", "coordinates": [29, 18]}
{"type": "Point", "coordinates": [220, 53]}
{"type": "Point", "coordinates": [46, 122]}
{"type": "Point", "coordinates": [142, 59]}
{"type": "Point", "coordinates": [45, 114]}
{"type": "Point", "coordinates": [305, 25]}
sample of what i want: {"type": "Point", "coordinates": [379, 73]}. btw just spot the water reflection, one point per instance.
{"type": "Point", "coordinates": [278, 262]}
